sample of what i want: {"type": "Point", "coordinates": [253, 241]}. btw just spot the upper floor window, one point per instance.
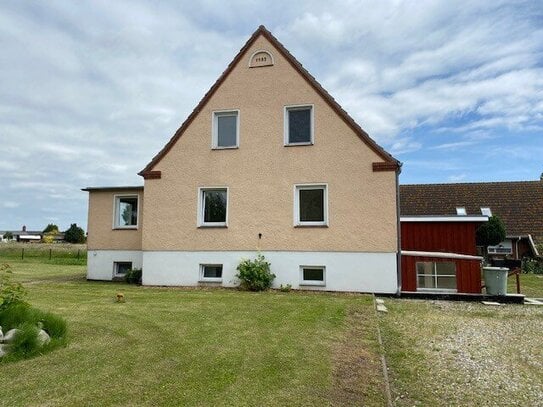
{"type": "Point", "coordinates": [460, 210]}
{"type": "Point", "coordinates": [213, 207]}
{"type": "Point", "coordinates": [298, 125]}
{"type": "Point", "coordinates": [126, 212]}
{"type": "Point", "coordinates": [486, 212]}
{"type": "Point", "coordinates": [310, 205]}
{"type": "Point", "coordinates": [226, 129]}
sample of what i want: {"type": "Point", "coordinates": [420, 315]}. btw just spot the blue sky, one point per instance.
{"type": "Point", "coordinates": [90, 91]}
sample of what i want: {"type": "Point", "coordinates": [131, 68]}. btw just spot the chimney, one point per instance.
{"type": "Point", "coordinates": [24, 228]}
{"type": "Point", "coordinates": [541, 177]}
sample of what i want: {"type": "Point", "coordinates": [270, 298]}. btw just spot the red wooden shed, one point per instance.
{"type": "Point", "coordinates": [439, 254]}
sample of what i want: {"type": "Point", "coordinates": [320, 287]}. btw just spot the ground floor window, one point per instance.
{"type": "Point", "coordinates": [436, 275]}
{"type": "Point", "coordinates": [211, 272]}
{"type": "Point", "coordinates": [120, 268]}
{"type": "Point", "coordinates": [313, 275]}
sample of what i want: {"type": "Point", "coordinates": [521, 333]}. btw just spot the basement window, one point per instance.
{"type": "Point", "coordinates": [432, 276]}
{"type": "Point", "coordinates": [298, 125]}
{"type": "Point", "coordinates": [120, 268]}
{"type": "Point", "coordinates": [211, 272]}
{"type": "Point", "coordinates": [313, 275]}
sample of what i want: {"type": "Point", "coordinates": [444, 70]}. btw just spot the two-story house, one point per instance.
{"type": "Point", "coordinates": [267, 162]}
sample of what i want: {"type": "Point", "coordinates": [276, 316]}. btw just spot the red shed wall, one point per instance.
{"type": "Point", "coordinates": [468, 273]}
{"type": "Point", "coordinates": [448, 237]}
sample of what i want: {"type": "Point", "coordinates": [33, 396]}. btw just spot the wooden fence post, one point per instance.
{"type": "Point", "coordinates": [23, 253]}
{"type": "Point", "coordinates": [50, 254]}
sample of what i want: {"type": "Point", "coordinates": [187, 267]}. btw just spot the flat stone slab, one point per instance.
{"type": "Point", "coordinates": [532, 301]}
{"type": "Point", "coordinates": [494, 303]}
{"type": "Point", "coordinates": [379, 301]}
{"type": "Point", "coordinates": [381, 308]}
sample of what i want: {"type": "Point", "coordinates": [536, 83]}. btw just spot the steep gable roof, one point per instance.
{"type": "Point", "coordinates": [389, 163]}
{"type": "Point", "coordinates": [518, 204]}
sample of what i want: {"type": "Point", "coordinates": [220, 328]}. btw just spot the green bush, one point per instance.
{"type": "Point", "coordinates": [133, 276]}
{"type": "Point", "coordinates": [10, 292]}
{"type": "Point", "coordinates": [532, 266]}
{"type": "Point", "coordinates": [25, 343]}
{"type": "Point", "coordinates": [54, 325]}
{"type": "Point", "coordinates": [255, 274]}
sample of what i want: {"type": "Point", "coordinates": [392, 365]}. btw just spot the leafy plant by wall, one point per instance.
{"type": "Point", "coordinates": [255, 275]}
{"type": "Point", "coordinates": [491, 233]}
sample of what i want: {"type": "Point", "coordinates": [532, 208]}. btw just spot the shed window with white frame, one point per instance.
{"type": "Point", "coordinates": [213, 207]}
{"type": "Point", "coordinates": [313, 275]}
{"type": "Point", "coordinates": [299, 125]}
{"type": "Point", "coordinates": [225, 129]}
{"type": "Point", "coordinates": [126, 212]}
{"type": "Point", "coordinates": [436, 276]}
{"type": "Point", "coordinates": [311, 205]}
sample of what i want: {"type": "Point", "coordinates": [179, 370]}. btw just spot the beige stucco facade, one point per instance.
{"type": "Point", "coordinates": [262, 172]}
{"type": "Point", "coordinates": [102, 234]}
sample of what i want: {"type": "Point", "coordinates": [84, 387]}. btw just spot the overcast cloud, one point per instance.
{"type": "Point", "coordinates": [90, 91]}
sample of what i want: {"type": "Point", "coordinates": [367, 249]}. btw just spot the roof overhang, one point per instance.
{"type": "Point", "coordinates": [444, 218]}
{"type": "Point", "coordinates": [30, 237]}
{"type": "Point", "coordinates": [441, 255]}
{"type": "Point", "coordinates": [122, 188]}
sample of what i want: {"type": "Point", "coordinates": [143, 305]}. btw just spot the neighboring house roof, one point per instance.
{"type": "Point", "coordinates": [519, 204]}
{"type": "Point", "coordinates": [389, 163]}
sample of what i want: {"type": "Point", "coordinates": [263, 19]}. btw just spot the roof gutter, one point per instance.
{"type": "Point", "coordinates": [398, 232]}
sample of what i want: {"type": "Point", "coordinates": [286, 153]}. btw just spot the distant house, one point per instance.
{"type": "Point", "coordinates": [22, 235]}
{"type": "Point", "coordinates": [519, 204]}
{"type": "Point", "coordinates": [267, 162]}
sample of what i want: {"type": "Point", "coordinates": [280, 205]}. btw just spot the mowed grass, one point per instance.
{"type": "Point", "coordinates": [531, 285]}
{"type": "Point", "coordinates": [443, 353]}
{"type": "Point", "coordinates": [167, 346]}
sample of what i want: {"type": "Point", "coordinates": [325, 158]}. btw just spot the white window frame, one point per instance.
{"type": "Point", "coordinates": [299, 187]}
{"type": "Point", "coordinates": [486, 211]}
{"type": "Point", "coordinates": [215, 128]}
{"type": "Point", "coordinates": [116, 203]}
{"type": "Point", "coordinates": [201, 207]}
{"type": "Point", "coordinates": [461, 211]}
{"type": "Point", "coordinates": [116, 268]}
{"type": "Point", "coordinates": [313, 282]}
{"type": "Point", "coordinates": [210, 279]}
{"type": "Point", "coordinates": [435, 276]}
{"type": "Point", "coordinates": [286, 124]}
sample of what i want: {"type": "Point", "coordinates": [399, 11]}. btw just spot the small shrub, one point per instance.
{"type": "Point", "coordinates": [17, 314]}
{"type": "Point", "coordinates": [10, 292]}
{"type": "Point", "coordinates": [285, 288]}
{"type": "Point", "coordinates": [25, 343]}
{"type": "Point", "coordinates": [532, 266]}
{"type": "Point", "coordinates": [255, 274]}
{"type": "Point", "coordinates": [133, 276]}
{"type": "Point", "coordinates": [54, 325]}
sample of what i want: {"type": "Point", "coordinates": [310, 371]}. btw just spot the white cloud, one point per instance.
{"type": "Point", "coordinates": [91, 103]}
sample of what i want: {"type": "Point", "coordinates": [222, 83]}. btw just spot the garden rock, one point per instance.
{"type": "Point", "coordinates": [43, 337]}
{"type": "Point", "coordinates": [1, 334]}
{"type": "Point", "coordinates": [3, 350]}
{"type": "Point", "coordinates": [8, 337]}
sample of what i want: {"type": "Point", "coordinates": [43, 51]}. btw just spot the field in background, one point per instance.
{"type": "Point", "coordinates": [53, 253]}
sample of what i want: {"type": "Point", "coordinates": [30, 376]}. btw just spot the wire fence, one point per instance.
{"type": "Point", "coordinates": [60, 253]}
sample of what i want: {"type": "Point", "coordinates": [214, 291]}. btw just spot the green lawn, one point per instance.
{"type": "Point", "coordinates": [463, 354]}
{"type": "Point", "coordinates": [531, 285]}
{"type": "Point", "coordinates": [168, 346]}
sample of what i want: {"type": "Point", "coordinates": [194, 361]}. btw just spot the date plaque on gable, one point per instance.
{"type": "Point", "coordinates": [260, 58]}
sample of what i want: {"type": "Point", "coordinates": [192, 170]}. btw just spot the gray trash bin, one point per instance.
{"type": "Point", "coordinates": [495, 280]}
